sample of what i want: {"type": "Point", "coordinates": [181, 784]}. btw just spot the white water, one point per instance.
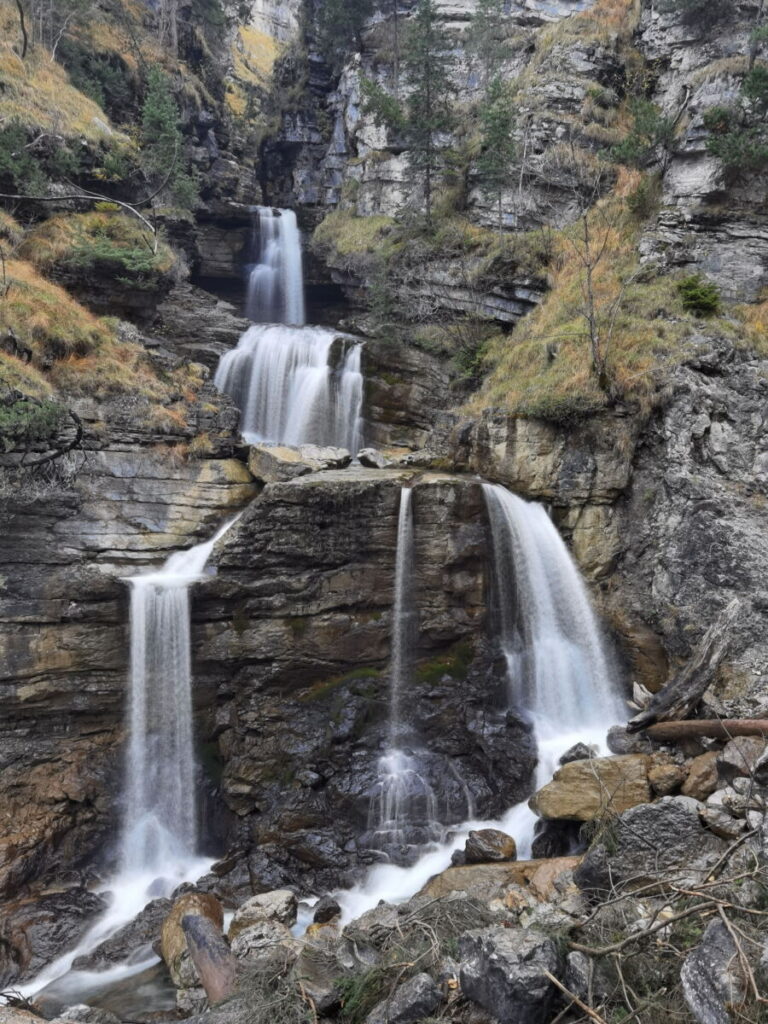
{"type": "Point", "coordinates": [557, 669]}
{"type": "Point", "coordinates": [276, 281]}
{"type": "Point", "coordinates": [289, 389]}
{"type": "Point", "coordinates": [158, 839]}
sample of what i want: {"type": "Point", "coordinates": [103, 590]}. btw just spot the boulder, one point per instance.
{"type": "Point", "coordinates": [326, 909]}
{"type": "Point", "coordinates": [586, 978]}
{"type": "Point", "coordinates": [489, 844]}
{"type": "Point", "coordinates": [487, 882]}
{"type": "Point", "coordinates": [372, 459]}
{"type": "Point", "coordinates": [665, 778]}
{"type": "Point", "coordinates": [502, 970]}
{"type": "Point", "coordinates": [619, 741]}
{"type": "Point", "coordinates": [740, 756]}
{"type": "Point", "coordinates": [413, 1001]}
{"type": "Point", "coordinates": [128, 941]}
{"type": "Point", "coordinates": [719, 817]}
{"type": "Point", "coordinates": [173, 943]}
{"type": "Point", "coordinates": [278, 905]}
{"type": "Point", "coordinates": [702, 776]}
{"type": "Point", "coordinates": [585, 790]}
{"type": "Point", "coordinates": [275, 463]}
{"type": "Point", "coordinates": [578, 752]}
{"type": "Point", "coordinates": [650, 840]}
{"type": "Point", "coordinates": [264, 940]}
{"type": "Point", "coordinates": [711, 976]}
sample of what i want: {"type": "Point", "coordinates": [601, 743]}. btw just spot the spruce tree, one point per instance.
{"type": "Point", "coordinates": [495, 164]}
{"type": "Point", "coordinates": [162, 155]}
{"type": "Point", "coordinates": [485, 42]}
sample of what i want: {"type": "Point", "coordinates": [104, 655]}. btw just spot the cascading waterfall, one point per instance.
{"type": "Point", "coordinates": [158, 840]}
{"type": "Point", "coordinates": [403, 806]}
{"type": "Point", "coordinates": [284, 382]}
{"type": "Point", "coordinates": [557, 669]}
{"type": "Point", "coordinates": [276, 282]}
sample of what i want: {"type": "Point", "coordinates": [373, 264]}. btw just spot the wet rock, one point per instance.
{"type": "Point", "coordinates": [326, 909]}
{"type": "Point", "coordinates": [413, 1001]}
{"type": "Point", "coordinates": [173, 943]}
{"type": "Point", "coordinates": [35, 932]}
{"type": "Point", "coordinates": [273, 463]}
{"type": "Point", "coordinates": [702, 776]}
{"type": "Point", "coordinates": [711, 976]}
{"type": "Point", "coordinates": [263, 939]}
{"type": "Point", "coordinates": [489, 844]}
{"type": "Point", "coordinates": [739, 756]}
{"type": "Point", "coordinates": [83, 1014]}
{"type": "Point", "coordinates": [649, 840]}
{"type": "Point", "coordinates": [279, 905]}
{"type": "Point", "coordinates": [555, 838]}
{"type": "Point", "coordinates": [620, 741]}
{"type": "Point", "coordinates": [372, 459]}
{"type": "Point", "coordinates": [585, 790]}
{"type": "Point", "coordinates": [503, 971]}
{"type": "Point", "coordinates": [578, 752]}
{"type": "Point", "coordinates": [213, 960]}
{"type": "Point", "coordinates": [129, 941]}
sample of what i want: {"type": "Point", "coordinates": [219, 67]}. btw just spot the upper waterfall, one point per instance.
{"type": "Point", "coordinates": [276, 281]}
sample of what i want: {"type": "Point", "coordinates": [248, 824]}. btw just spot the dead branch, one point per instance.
{"type": "Point", "coordinates": [638, 936]}
{"type": "Point", "coordinates": [678, 698]}
{"type": "Point", "coordinates": [715, 728]}
{"type": "Point", "coordinates": [575, 999]}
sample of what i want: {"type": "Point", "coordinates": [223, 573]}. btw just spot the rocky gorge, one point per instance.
{"type": "Point", "coordinates": [634, 885]}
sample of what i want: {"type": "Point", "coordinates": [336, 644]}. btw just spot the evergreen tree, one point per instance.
{"type": "Point", "coordinates": [340, 25]}
{"type": "Point", "coordinates": [485, 42]}
{"type": "Point", "coordinates": [162, 153]}
{"type": "Point", "coordinates": [426, 112]}
{"type": "Point", "coordinates": [495, 164]}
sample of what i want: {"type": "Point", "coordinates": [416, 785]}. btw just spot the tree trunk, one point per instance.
{"type": "Point", "coordinates": [716, 728]}
{"type": "Point", "coordinates": [680, 696]}
{"type": "Point", "coordinates": [212, 957]}
{"type": "Point", "coordinates": [24, 36]}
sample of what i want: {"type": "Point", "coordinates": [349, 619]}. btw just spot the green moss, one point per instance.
{"type": "Point", "coordinates": [454, 662]}
{"type": "Point", "coordinates": [325, 687]}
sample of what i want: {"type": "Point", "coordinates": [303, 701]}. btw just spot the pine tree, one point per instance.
{"type": "Point", "coordinates": [495, 164]}
{"type": "Point", "coordinates": [161, 141]}
{"type": "Point", "coordinates": [485, 42]}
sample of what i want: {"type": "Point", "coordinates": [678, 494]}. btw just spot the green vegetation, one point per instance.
{"type": "Point", "coordinates": [162, 155]}
{"type": "Point", "coordinates": [495, 164]}
{"type": "Point", "coordinates": [24, 422]}
{"type": "Point", "coordinates": [341, 23]}
{"type": "Point", "coordinates": [454, 663]}
{"type": "Point", "coordinates": [649, 131]}
{"type": "Point", "coordinates": [699, 296]}
{"type": "Point", "coordinates": [324, 688]}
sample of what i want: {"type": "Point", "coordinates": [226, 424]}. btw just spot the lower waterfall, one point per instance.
{"type": "Point", "coordinates": [158, 839]}
{"type": "Point", "coordinates": [557, 671]}
{"type": "Point", "coordinates": [293, 385]}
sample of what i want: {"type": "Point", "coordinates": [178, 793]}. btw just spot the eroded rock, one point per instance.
{"type": "Point", "coordinates": [585, 790]}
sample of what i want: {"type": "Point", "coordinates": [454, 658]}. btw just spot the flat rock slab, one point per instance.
{"type": "Point", "coordinates": [488, 881]}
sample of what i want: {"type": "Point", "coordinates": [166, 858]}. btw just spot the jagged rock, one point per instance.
{"type": "Point", "coordinates": [702, 776]}
{"type": "Point", "coordinates": [719, 818]}
{"type": "Point", "coordinates": [585, 978]}
{"type": "Point", "coordinates": [411, 1002]}
{"type": "Point", "coordinates": [372, 459]}
{"type": "Point", "coordinates": [191, 1000]}
{"type": "Point", "coordinates": [712, 978]}
{"type": "Point", "coordinates": [279, 905]}
{"type": "Point", "coordinates": [173, 943]}
{"type": "Point", "coordinates": [648, 841]}
{"type": "Point", "coordinates": [262, 940]}
{"type": "Point", "coordinates": [489, 844]}
{"type": "Point", "coordinates": [326, 909]}
{"type": "Point", "coordinates": [129, 940]}
{"type": "Point", "coordinates": [739, 756]}
{"type": "Point", "coordinates": [35, 932]}
{"type": "Point", "coordinates": [620, 741]}
{"type": "Point", "coordinates": [503, 971]}
{"type": "Point", "coordinates": [578, 752]}
{"type": "Point", "coordinates": [555, 838]}
{"type": "Point", "coordinates": [272, 463]}
{"type": "Point", "coordinates": [585, 790]}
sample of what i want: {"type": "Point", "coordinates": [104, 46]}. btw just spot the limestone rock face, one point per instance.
{"type": "Point", "coordinates": [503, 971]}
{"type": "Point", "coordinates": [585, 790]}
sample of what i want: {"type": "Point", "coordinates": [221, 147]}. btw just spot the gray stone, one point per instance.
{"type": "Point", "coordinates": [503, 971]}
{"type": "Point", "coordinates": [585, 978]}
{"type": "Point", "coordinates": [325, 910]}
{"type": "Point", "coordinates": [411, 1002]}
{"type": "Point", "coordinates": [740, 756]}
{"type": "Point", "coordinates": [84, 1014]}
{"type": "Point", "coordinates": [372, 459]}
{"type": "Point", "coordinates": [621, 742]}
{"type": "Point", "coordinates": [278, 905]}
{"type": "Point", "coordinates": [711, 976]}
{"type": "Point", "coordinates": [130, 940]}
{"type": "Point", "coordinates": [260, 939]}
{"type": "Point", "coordinates": [578, 752]}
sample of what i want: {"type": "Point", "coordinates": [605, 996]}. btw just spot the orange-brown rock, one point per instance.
{"type": "Point", "coordinates": [173, 943]}
{"type": "Point", "coordinates": [702, 776]}
{"type": "Point", "coordinates": [491, 881]}
{"type": "Point", "coordinates": [585, 790]}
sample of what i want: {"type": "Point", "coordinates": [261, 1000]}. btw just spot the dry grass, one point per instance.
{"type": "Point", "coordinates": [20, 375]}
{"type": "Point", "coordinates": [38, 91]}
{"type": "Point", "coordinates": [755, 321]}
{"type": "Point", "coordinates": [11, 232]}
{"type": "Point", "coordinates": [347, 234]}
{"type": "Point", "coordinates": [544, 368]}
{"type": "Point", "coordinates": [253, 56]}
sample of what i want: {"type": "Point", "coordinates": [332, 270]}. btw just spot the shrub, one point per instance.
{"type": "Point", "coordinates": [162, 143]}
{"type": "Point", "coordinates": [24, 422]}
{"type": "Point", "coordinates": [644, 200]}
{"type": "Point", "coordinates": [699, 296]}
{"type": "Point", "coordinates": [649, 130]}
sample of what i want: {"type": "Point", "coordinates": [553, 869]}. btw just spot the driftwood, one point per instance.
{"type": "Point", "coordinates": [212, 957]}
{"type": "Point", "coordinates": [681, 695]}
{"type": "Point", "coordinates": [716, 728]}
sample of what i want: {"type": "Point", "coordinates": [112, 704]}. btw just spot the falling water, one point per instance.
{"type": "Point", "coordinates": [284, 382]}
{"type": "Point", "coordinates": [276, 281]}
{"type": "Point", "coordinates": [558, 673]}
{"type": "Point", "coordinates": [403, 809]}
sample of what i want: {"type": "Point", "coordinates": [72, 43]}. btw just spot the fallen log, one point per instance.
{"type": "Point", "coordinates": [681, 695]}
{"type": "Point", "coordinates": [213, 959]}
{"type": "Point", "coordinates": [715, 728]}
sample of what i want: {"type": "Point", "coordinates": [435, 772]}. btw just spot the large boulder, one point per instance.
{"type": "Point", "coordinates": [739, 756]}
{"type": "Point", "coordinates": [274, 463]}
{"type": "Point", "coordinates": [173, 942]}
{"type": "Point", "coordinates": [588, 789]}
{"type": "Point", "coordinates": [503, 970]}
{"type": "Point", "coordinates": [489, 844]}
{"type": "Point", "coordinates": [411, 1002]}
{"type": "Point", "coordinates": [649, 841]}
{"type": "Point", "coordinates": [488, 882]}
{"type": "Point", "coordinates": [277, 905]}
{"type": "Point", "coordinates": [702, 776]}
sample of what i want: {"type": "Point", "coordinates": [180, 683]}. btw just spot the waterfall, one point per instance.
{"type": "Point", "coordinates": [284, 382]}
{"type": "Point", "coordinates": [557, 669]}
{"type": "Point", "coordinates": [276, 282]}
{"type": "Point", "coordinates": [159, 829]}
